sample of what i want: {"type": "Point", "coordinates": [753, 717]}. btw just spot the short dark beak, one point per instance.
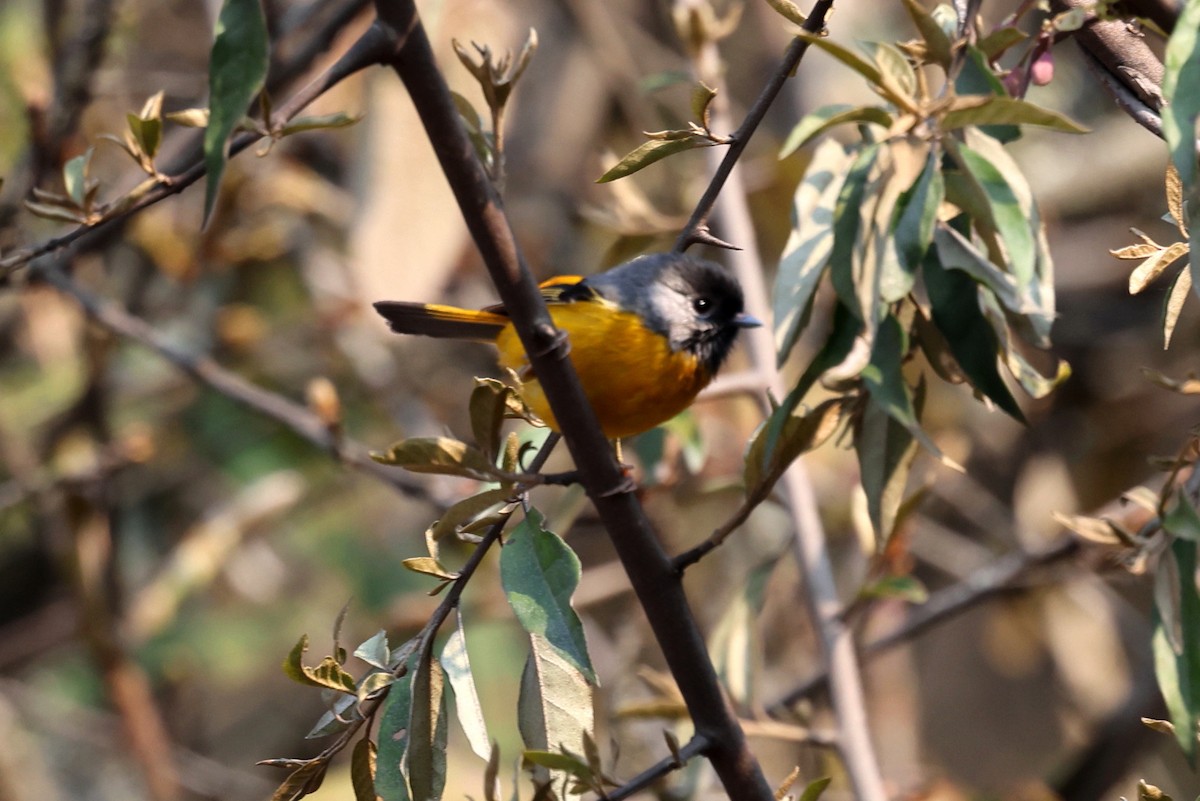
{"type": "Point", "coordinates": [743, 320]}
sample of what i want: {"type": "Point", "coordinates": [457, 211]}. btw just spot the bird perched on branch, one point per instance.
{"type": "Point", "coordinates": [645, 337]}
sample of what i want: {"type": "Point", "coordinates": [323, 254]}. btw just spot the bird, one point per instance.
{"type": "Point", "coordinates": [645, 336]}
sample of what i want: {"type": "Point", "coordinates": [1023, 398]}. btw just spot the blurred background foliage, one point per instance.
{"type": "Point", "coordinates": [156, 534]}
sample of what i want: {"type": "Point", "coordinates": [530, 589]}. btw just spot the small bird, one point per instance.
{"type": "Point", "coordinates": [645, 336]}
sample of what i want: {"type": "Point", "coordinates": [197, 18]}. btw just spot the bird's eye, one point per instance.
{"type": "Point", "coordinates": [702, 305]}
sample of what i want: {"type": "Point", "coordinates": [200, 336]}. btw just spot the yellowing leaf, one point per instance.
{"type": "Point", "coordinates": [649, 152]}
{"type": "Point", "coordinates": [1153, 267]}
{"type": "Point", "coordinates": [442, 455]}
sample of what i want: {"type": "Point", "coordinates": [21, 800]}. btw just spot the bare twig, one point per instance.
{"type": "Point", "coordinates": [657, 586]}
{"type": "Point", "coordinates": [996, 578]}
{"type": "Point", "coordinates": [293, 415]}
{"type": "Point", "coordinates": [696, 745]}
{"type": "Point", "coordinates": [696, 230]}
{"type": "Point", "coordinates": [369, 49]}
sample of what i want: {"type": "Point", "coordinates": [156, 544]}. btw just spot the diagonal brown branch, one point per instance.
{"type": "Point", "coordinates": [293, 415]}
{"type": "Point", "coordinates": [657, 586]}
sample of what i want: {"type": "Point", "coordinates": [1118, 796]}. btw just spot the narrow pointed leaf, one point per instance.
{"type": "Point", "coordinates": [1173, 306]}
{"type": "Point", "coordinates": [846, 228]}
{"type": "Point", "coordinates": [391, 778]}
{"type": "Point", "coordinates": [885, 451]}
{"type": "Point", "coordinates": [457, 665]}
{"type": "Point", "coordinates": [937, 43]}
{"type": "Point", "coordinates": [651, 151]}
{"type": "Point", "coordinates": [1181, 77]}
{"type": "Point", "coordinates": [555, 707]}
{"type": "Point", "coordinates": [1178, 671]}
{"type": "Point", "coordinates": [823, 119]}
{"type": "Point", "coordinates": [954, 299]}
{"type": "Point", "coordinates": [236, 73]}
{"type": "Point", "coordinates": [75, 178]}
{"type": "Point", "coordinates": [426, 756]}
{"type": "Point", "coordinates": [916, 213]}
{"type": "Point", "coordinates": [984, 110]}
{"type": "Point", "coordinates": [362, 770]}
{"type": "Point", "coordinates": [806, 254]}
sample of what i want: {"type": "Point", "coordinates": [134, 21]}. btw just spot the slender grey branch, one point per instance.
{"type": "Point", "coordinates": [996, 578]}
{"type": "Point", "coordinates": [369, 49]}
{"type": "Point", "coordinates": [293, 415]}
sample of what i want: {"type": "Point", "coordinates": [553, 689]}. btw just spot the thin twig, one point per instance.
{"type": "Point", "coordinates": [695, 746]}
{"type": "Point", "coordinates": [293, 415]}
{"type": "Point", "coordinates": [987, 582]}
{"type": "Point", "coordinates": [369, 49]}
{"type": "Point", "coordinates": [696, 229]}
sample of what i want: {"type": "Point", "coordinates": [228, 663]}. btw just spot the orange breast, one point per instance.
{"type": "Point", "coordinates": [631, 376]}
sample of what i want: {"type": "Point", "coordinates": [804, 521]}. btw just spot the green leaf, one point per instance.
{"type": "Point", "coordinates": [806, 254]}
{"type": "Point", "coordinates": [884, 378]}
{"type": "Point", "coordinates": [937, 43]}
{"type": "Point", "coordinates": [904, 588]}
{"type": "Point", "coordinates": [976, 78]}
{"type": "Point", "coordinates": [322, 122]}
{"type": "Point", "coordinates": [556, 760]}
{"type": "Point", "coordinates": [427, 733]}
{"type": "Point", "coordinates": [783, 437]}
{"type": "Point", "coordinates": [885, 451]}
{"type": "Point", "coordinates": [1030, 379]}
{"type": "Point", "coordinates": [843, 334]}
{"type": "Point", "coordinates": [391, 766]}
{"type": "Point", "coordinates": [1182, 520]}
{"type": "Point", "coordinates": [146, 132]}
{"type": "Point", "coordinates": [555, 707]}
{"type": "Point", "coordinates": [1000, 40]}
{"type": "Point", "coordinates": [651, 151]}
{"type": "Point", "coordinates": [236, 73]}
{"type": "Point", "coordinates": [847, 222]}
{"type": "Point", "coordinates": [1181, 91]}
{"type": "Point", "coordinates": [438, 455]}
{"type": "Point", "coordinates": [985, 110]}
{"type": "Point", "coordinates": [815, 789]}
{"type": "Point", "coordinates": [539, 574]}
{"type": "Point", "coordinates": [328, 673]}
{"type": "Point", "coordinates": [895, 71]}
{"type": "Point", "coordinates": [1178, 671]}
{"type": "Point", "coordinates": [1006, 213]}
{"type": "Point", "coordinates": [916, 213]}
{"type": "Point", "coordinates": [954, 299]}
{"type": "Point", "coordinates": [823, 119]}
{"type": "Point", "coordinates": [375, 651]}
{"type": "Point", "coordinates": [75, 178]}
{"type": "Point", "coordinates": [362, 770]}
{"type": "Point", "coordinates": [48, 211]}
{"type": "Point", "coordinates": [457, 665]}
{"type": "Point", "coordinates": [848, 57]}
